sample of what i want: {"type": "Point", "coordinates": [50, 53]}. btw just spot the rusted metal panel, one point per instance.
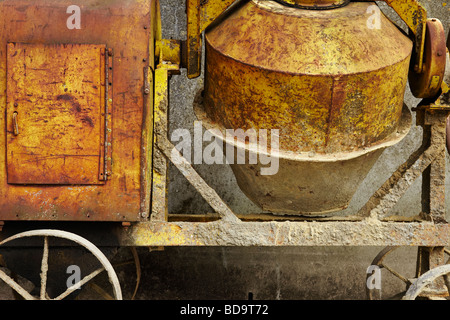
{"type": "Point", "coordinates": [126, 27]}
{"type": "Point", "coordinates": [56, 93]}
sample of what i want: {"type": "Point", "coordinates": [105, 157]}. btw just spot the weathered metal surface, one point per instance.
{"type": "Point", "coordinates": [167, 51]}
{"type": "Point", "coordinates": [169, 60]}
{"type": "Point", "coordinates": [429, 258]}
{"type": "Point", "coordinates": [208, 193]}
{"type": "Point", "coordinates": [314, 4]}
{"type": "Point", "coordinates": [58, 94]}
{"type": "Point", "coordinates": [129, 29]}
{"type": "Point", "coordinates": [318, 178]}
{"type": "Point", "coordinates": [168, 63]}
{"type": "Point", "coordinates": [428, 83]}
{"type": "Point", "coordinates": [415, 16]}
{"type": "Point", "coordinates": [330, 98]}
{"type": "Point", "coordinates": [200, 14]}
{"type": "Point", "coordinates": [425, 280]}
{"type": "Point", "coordinates": [160, 187]}
{"type": "Point", "coordinates": [368, 232]}
{"type": "Point", "coordinates": [431, 153]}
{"type": "Point", "coordinates": [436, 186]}
{"type": "Point", "coordinates": [107, 129]}
{"type": "Point", "coordinates": [74, 238]}
{"type": "Point", "coordinates": [147, 132]}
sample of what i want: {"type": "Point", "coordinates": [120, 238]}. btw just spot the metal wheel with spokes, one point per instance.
{"type": "Point", "coordinates": [426, 279]}
{"type": "Point", "coordinates": [80, 241]}
{"type": "Point", "coordinates": [414, 286]}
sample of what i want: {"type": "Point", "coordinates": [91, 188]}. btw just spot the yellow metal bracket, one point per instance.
{"type": "Point", "coordinates": [415, 17]}
{"type": "Point", "coordinates": [167, 53]}
{"type": "Point", "coordinates": [200, 14]}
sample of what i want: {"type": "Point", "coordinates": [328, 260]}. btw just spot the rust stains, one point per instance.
{"type": "Point", "coordinates": [60, 99]}
{"type": "Point", "coordinates": [334, 91]}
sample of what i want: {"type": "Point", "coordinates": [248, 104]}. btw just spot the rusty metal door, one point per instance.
{"type": "Point", "coordinates": [55, 113]}
{"type": "Point", "coordinates": [77, 125]}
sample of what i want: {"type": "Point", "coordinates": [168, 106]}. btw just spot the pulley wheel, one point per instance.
{"type": "Point", "coordinates": [427, 84]}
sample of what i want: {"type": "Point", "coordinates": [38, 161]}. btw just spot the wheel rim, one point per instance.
{"type": "Point", "coordinates": [425, 279]}
{"type": "Point", "coordinates": [415, 286]}
{"type": "Point", "coordinates": [106, 265]}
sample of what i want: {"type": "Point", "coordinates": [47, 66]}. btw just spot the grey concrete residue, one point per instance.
{"type": "Point", "coordinates": [320, 272]}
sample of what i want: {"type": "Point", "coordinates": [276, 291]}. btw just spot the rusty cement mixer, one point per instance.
{"type": "Point", "coordinates": [84, 90]}
{"type": "Point", "coordinates": [331, 82]}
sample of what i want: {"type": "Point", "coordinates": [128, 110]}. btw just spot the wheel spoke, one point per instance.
{"type": "Point", "coordinates": [100, 291]}
{"type": "Point", "coordinates": [79, 284]}
{"type": "Point", "coordinates": [14, 285]}
{"type": "Point", "coordinates": [138, 270]}
{"type": "Point", "coordinates": [96, 252]}
{"type": "Point", "coordinates": [395, 273]}
{"type": "Point", "coordinates": [425, 279]}
{"type": "Point", "coordinates": [44, 270]}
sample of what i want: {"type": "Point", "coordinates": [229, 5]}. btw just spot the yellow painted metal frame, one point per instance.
{"type": "Point", "coordinates": [162, 230]}
{"type": "Point", "coordinates": [200, 14]}
{"type": "Point", "coordinates": [168, 54]}
{"type": "Point", "coordinates": [148, 115]}
{"type": "Point", "coordinates": [415, 17]}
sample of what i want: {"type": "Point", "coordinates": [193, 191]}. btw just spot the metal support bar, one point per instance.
{"type": "Point", "coordinates": [208, 193]}
{"type": "Point", "coordinates": [169, 55]}
{"type": "Point", "coordinates": [200, 14]}
{"type": "Point", "coordinates": [436, 174]}
{"type": "Point", "coordinates": [429, 258]}
{"type": "Point", "coordinates": [160, 165]}
{"type": "Point", "coordinates": [428, 161]}
{"type": "Point", "coordinates": [368, 232]}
